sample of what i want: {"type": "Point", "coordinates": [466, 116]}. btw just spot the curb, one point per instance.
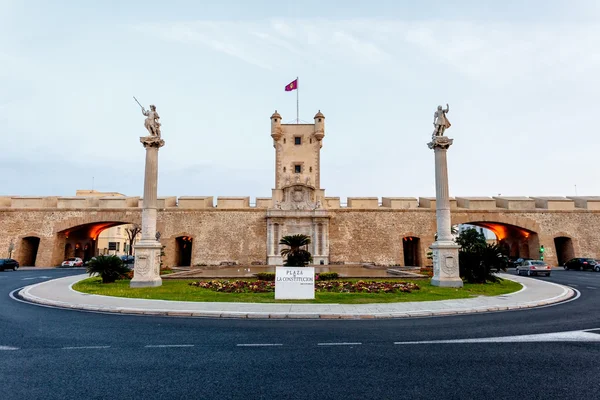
{"type": "Point", "coordinates": [25, 294]}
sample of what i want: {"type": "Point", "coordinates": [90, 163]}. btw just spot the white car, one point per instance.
{"type": "Point", "coordinates": [72, 262]}
{"type": "Point", "coordinates": [534, 267]}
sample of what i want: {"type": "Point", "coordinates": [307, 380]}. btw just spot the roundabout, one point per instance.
{"type": "Point", "coordinates": [60, 293]}
{"type": "Point", "coordinates": [59, 353]}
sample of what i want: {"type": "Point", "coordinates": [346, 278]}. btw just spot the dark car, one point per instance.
{"type": "Point", "coordinates": [581, 263]}
{"type": "Point", "coordinates": [8, 263]}
{"type": "Point", "coordinates": [128, 259]}
{"type": "Point", "coordinates": [515, 262]}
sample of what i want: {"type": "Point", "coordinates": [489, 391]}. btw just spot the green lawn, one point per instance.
{"type": "Point", "coordinates": [181, 291]}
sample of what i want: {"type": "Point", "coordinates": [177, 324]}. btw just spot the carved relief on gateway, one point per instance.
{"type": "Point", "coordinates": [298, 197]}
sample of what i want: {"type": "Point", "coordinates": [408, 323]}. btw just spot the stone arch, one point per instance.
{"type": "Point", "coordinates": [82, 233]}
{"type": "Point", "coordinates": [411, 246]}
{"type": "Point", "coordinates": [183, 249]}
{"type": "Point", "coordinates": [564, 247]}
{"type": "Point", "coordinates": [518, 234]}
{"type": "Point", "coordinates": [27, 250]}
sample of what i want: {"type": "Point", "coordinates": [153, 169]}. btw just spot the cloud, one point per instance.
{"type": "Point", "coordinates": [494, 53]}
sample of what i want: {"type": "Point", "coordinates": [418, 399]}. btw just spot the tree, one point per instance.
{"type": "Point", "coordinates": [478, 260]}
{"type": "Point", "coordinates": [296, 256]}
{"type": "Point", "coordinates": [110, 268]}
{"type": "Point", "coordinates": [132, 231]}
{"type": "Point", "coordinates": [471, 239]}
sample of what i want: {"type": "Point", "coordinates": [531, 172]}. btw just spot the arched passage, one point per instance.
{"type": "Point", "coordinates": [183, 251]}
{"type": "Point", "coordinates": [564, 249]}
{"type": "Point", "coordinates": [412, 251]}
{"type": "Point", "coordinates": [83, 241]}
{"type": "Point", "coordinates": [521, 242]}
{"type": "Point", "coordinates": [29, 249]}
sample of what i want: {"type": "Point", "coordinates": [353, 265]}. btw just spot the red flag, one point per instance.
{"type": "Point", "coordinates": [292, 85]}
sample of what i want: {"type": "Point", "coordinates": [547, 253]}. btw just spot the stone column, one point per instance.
{"type": "Point", "coordinates": [146, 272]}
{"type": "Point", "coordinates": [445, 250]}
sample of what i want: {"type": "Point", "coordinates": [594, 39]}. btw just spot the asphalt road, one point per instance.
{"type": "Point", "coordinates": [48, 353]}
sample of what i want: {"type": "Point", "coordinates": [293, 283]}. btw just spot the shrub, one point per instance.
{"type": "Point", "coordinates": [480, 265]}
{"type": "Point", "coordinates": [266, 276]}
{"type": "Point", "coordinates": [326, 276]}
{"type": "Point", "coordinates": [110, 268]}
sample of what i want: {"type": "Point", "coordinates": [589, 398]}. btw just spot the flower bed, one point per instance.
{"type": "Point", "coordinates": [260, 286]}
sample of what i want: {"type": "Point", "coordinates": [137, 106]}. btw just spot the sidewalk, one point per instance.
{"type": "Point", "coordinates": [58, 292]}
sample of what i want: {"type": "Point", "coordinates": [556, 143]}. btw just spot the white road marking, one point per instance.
{"type": "Point", "coordinates": [36, 277]}
{"type": "Point", "coordinates": [572, 336]}
{"type": "Point", "coordinates": [258, 344]}
{"type": "Point", "coordinates": [572, 284]}
{"type": "Point", "coordinates": [84, 347]}
{"type": "Point", "coordinates": [340, 344]}
{"type": "Point", "coordinates": [8, 348]}
{"type": "Point", "coordinates": [590, 287]}
{"type": "Point", "coordinates": [168, 345]}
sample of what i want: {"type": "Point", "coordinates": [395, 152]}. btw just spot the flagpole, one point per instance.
{"type": "Point", "coordinates": [297, 102]}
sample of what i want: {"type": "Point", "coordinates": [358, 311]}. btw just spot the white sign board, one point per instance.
{"type": "Point", "coordinates": [294, 283]}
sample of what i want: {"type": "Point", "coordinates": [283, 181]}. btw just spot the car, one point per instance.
{"type": "Point", "coordinates": [128, 259]}
{"type": "Point", "coordinates": [534, 267]}
{"type": "Point", "coordinates": [72, 262]}
{"type": "Point", "coordinates": [515, 262]}
{"type": "Point", "coordinates": [580, 263]}
{"type": "Point", "coordinates": [8, 263]}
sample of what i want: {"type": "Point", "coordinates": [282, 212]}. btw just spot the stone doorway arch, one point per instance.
{"type": "Point", "coordinates": [183, 251]}
{"type": "Point", "coordinates": [28, 251]}
{"type": "Point", "coordinates": [564, 249]}
{"type": "Point", "coordinates": [411, 246]}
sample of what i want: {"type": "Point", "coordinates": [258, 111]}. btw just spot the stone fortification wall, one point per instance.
{"type": "Point", "coordinates": [234, 230]}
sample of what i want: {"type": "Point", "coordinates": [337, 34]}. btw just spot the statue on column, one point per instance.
{"type": "Point", "coordinates": [440, 121]}
{"type": "Point", "coordinates": [151, 123]}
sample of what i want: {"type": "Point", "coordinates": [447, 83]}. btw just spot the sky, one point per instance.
{"type": "Point", "coordinates": [521, 80]}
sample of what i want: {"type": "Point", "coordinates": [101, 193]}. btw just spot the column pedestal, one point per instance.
{"type": "Point", "coordinates": [146, 272]}
{"type": "Point", "coordinates": [445, 264]}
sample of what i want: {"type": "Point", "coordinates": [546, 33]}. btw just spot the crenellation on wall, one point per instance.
{"type": "Point", "coordinates": [264, 202]}
{"type": "Point", "coordinates": [161, 202]}
{"type": "Point", "coordinates": [118, 202]}
{"type": "Point", "coordinates": [554, 203]}
{"type": "Point", "coordinates": [399, 202]}
{"type": "Point", "coordinates": [195, 202]}
{"type": "Point", "coordinates": [587, 202]}
{"type": "Point", "coordinates": [515, 203]}
{"type": "Point", "coordinates": [332, 202]}
{"type": "Point", "coordinates": [430, 202]}
{"type": "Point", "coordinates": [34, 202]}
{"type": "Point", "coordinates": [233, 202]}
{"type": "Point", "coordinates": [363, 202]}
{"type": "Point", "coordinates": [476, 203]}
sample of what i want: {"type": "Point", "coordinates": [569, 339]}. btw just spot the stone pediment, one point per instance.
{"type": "Point", "coordinates": [298, 196]}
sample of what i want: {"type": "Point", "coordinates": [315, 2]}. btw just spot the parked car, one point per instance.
{"type": "Point", "coordinates": [580, 263]}
{"type": "Point", "coordinates": [128, 259]}
{"type": "Point", "coordinates": [534, 267]}
{"type": "Point", "coordinates": [8, 263]}
{"type": "Point", "coordinates": [515, 262]}
{"type": "Point", "coordinates": [72, 262]}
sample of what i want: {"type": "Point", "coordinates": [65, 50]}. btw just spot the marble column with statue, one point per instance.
{"type": "Point", "coordinates": [146, 271]}
{"type": "Point", "coordinates": [445, 249]}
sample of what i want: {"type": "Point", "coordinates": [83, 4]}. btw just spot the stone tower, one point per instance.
{"type": "Point", "coordinates": [298, 202]}
{"type": "Point", "coordinates": [297, 154]}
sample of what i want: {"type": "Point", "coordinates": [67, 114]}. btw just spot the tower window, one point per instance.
{"type": "Point", "coordinates": [298, 169]}
{"type": "Point", "coordinates": [283, 140]}
{"type": "Point", "coordinates": [283, 169]}
{"type": "Point", "coordinates": [310, 140]}
{"type": "Point", "coordinates": [297, 140]}
{"type": "Point", "coordinates": [310, 169]}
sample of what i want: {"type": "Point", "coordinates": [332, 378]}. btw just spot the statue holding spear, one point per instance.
{"type": "Point", "coordinates": [151, 123]}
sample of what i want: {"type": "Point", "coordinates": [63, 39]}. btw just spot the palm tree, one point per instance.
{"type": "Point", "coordinates": [296, 255]}
{"type": "Point", "coordinates": [110, 268]}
